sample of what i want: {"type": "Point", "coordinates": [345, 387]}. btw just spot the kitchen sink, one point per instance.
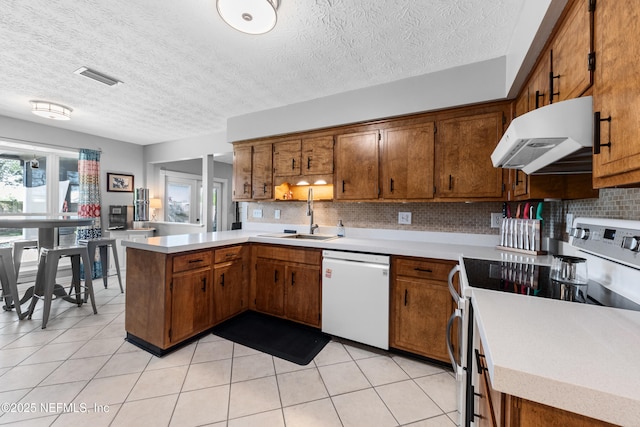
{"type": "Point", "coordinates": [301, 236]}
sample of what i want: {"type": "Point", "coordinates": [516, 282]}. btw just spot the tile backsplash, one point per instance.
{"type": "Point", "coordinates": [446, 217]}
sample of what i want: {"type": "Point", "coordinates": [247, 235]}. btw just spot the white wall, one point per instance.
{"type": "Point", "coordinates": [467, 84]}
{"type": "Point", "coordinates": [117, 156]}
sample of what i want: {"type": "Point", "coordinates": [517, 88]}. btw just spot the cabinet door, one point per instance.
{"type": "Point", "coordinates": [270, 278]}
{"type": "Point", "coordinates": [302, 293]}
{"type": "Point", "coordinates": [465, 145]}
{"type": "Point", "coordinates": [262, 178]}
{"type": "Point", "coordinates": [538, 89]}
{"type": "Point", "coordinates": [407, 162]}
{"type": "Point", "coordinates": [242, 173]}
{"type": "Point", "coordinates": [520, 181]}
{"type": "Point", "coordinates": [356, 171]}
{"type": "Point", "coordinates": [421, 309]}
{"type": "Point", "coordinates": [317, 155]}
{"type": "Point", "coordinates": [228, 289]}
{"type": "Point", "coordinates": [617, 93]}
{"type": "Point", "coordinates": [570, 54]}
{"type": "Point", "coordinates": [191, 304]}
{"type": "Point", "coordinates": [286, 158]}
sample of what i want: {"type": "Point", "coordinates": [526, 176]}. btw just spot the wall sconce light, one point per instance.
{"type": "Point", "coordinates": [49, 110]}
{"type": "Point", "coordinates": [249, 16]}
{"type": "Point", "coordinates": [155, 204]}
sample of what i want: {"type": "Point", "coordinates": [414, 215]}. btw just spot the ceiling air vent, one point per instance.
{"type": "Point", "coordinates": [99, 77]}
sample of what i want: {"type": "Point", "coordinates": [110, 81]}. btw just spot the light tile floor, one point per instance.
{"type": "Point", "coordinates": [80, 371]}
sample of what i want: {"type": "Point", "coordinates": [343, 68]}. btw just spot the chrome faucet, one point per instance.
{"type": "Point", "coordinates": [312, 226]}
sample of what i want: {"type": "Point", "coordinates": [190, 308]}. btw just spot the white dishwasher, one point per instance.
{"type": "Point", "coordinates": [355, 297]}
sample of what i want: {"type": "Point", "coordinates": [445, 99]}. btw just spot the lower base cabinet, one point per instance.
{"type": "Point", "coordinates": [420, 306]}
{"type": "Point", "coordinates": [287, 283]}
{"type": "Point", "coordinates": [173, 297]}
{"type": "Point", "coordinates": [502, 410]}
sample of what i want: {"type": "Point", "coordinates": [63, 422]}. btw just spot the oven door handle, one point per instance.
{"type": "Point", "coordinates": [457, 298]}
{"type": "Point", "coordinates": [457, 367]}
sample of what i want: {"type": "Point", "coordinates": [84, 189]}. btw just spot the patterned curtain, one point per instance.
{"type": "Point", "coordinates": [89, 203]}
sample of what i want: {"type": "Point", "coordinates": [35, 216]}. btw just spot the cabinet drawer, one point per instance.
{"type": "Point", "coordinates": [192, 260]}
{"type": "Point", "coordinates": [423, 268]}
{"type": "Point", "coordinates": [228, 254]}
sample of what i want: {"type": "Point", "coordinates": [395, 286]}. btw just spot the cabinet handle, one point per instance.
{"type": "Point", "coordinates": [293, 278]}
{"type": "Point", "coordinates": [275, 277]}
{"type": "Point", "coordinates": [596, 132]}
{"type": "Point", "coordinates": [264, 188]}
{"type": "Point", "coordinates": [343, 185]}
{"type": "Point", "coordinates": [204, 284]}
{"type": "Point", "coordinates": [391, 184]}
{"type": "Point", "coordinates": [423, 270]}
{"type": "Point", "coordinates": [450, 182]}
{"type": "Point", "coordinates": [293, 164]}
{"type": "Point", "coordinates": [308, 163]}
{"type": "Point", "coordinates": [406, 292]}
{"type": "Point", "coordinates": [222, 279]}
{"type": "Point", "coordinates": [191, 261]}
{"type": "Point", "coordinates": [551, 78]}
{"type": "Point", "coordinates": [482, 370]}
{"type": "Point", "coordinates": [244, 188]}
{"type": "Point", "coordinates": [538, 96]}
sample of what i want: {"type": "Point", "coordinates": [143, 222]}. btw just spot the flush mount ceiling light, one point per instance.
{"type": "Point", "coordinates": [249, 16]}
{"type": "Point", "coordinates": [50, 110]}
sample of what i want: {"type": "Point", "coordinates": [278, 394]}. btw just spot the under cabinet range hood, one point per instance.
{"type": "Point", "coordinates": [554, 139]}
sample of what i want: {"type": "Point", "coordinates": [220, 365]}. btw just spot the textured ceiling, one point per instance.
{"type": "Point", "coordinates": [185, 71]}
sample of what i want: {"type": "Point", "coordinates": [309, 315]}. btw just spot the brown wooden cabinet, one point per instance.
{"type": "Point", "coordinates": [356, 167]}
{"type": "Point", "coordinates": [302, 158]}
{"type": "Point", "coordinates": [317, 155]}
{"type": "Point", "coordinates": [262, 172]}
{"type": "Point", "coordinates": [420, 306]}
{"type": "Point", "coordinates": [169, 298]}
{"type": "Point", "coordinates": [534, 187]}
{"type": "Point", "coordinates": [230, 292]}
{"type": "Point", "coordinates": [286, 158]}
{"type": "Point", "coordinates": [287, 282]}
{"type": "Point", "coordinates": [253, 172]}
{"type": "Point", "coordinates": [463, 156]}
{"type": "Point", "coordinates": [616, 94]}
{"type": "Point", "coordinates": [407, 161]}
{"type": "Point", "coordinates": [242, 172]}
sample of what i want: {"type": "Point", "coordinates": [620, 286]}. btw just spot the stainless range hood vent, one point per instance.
{"type": "Point", "coordinates": [97, 76]}
{"type": "Point", "coordinates": [554, 139]}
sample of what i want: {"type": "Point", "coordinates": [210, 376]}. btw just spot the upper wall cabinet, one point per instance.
{"type": "Point", "coordinates": [616, 94]}
{"type": "Point", "coordinates": [407, 162]}
{"type": "Point", "coordinates": [303, 157]}
{"type": "Point", "coordinates": [356, 167]}
{"type": "Point", "coordinates": [463, 156]}
{"type": "Point", "coordinates": [253, 172]}
{"type": "Point", "coordinates": [242, 172]}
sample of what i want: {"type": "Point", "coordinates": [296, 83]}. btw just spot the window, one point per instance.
{"type": "Point", "coordinates": [182, 197]}
{"type": "Point", "coordinates": [37, 180]}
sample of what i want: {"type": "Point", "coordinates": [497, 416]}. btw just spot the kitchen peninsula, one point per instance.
{"type": "Point", "coordinates": [599, 388]}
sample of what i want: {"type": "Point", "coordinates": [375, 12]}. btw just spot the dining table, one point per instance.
{"type": "Point", "coordinates": [47, 226]}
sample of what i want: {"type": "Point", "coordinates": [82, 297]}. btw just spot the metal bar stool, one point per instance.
{"type": "Point", "coordinates": [45, 286]}
{"type": "Point", "coordinates": [8, 282]}
{"type": "Point", "coordinates": [103, 245]}
{"type": "Point", "coordinates": [18, 247]}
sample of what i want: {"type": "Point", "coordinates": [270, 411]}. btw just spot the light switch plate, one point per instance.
{"type": "Point", "coordinates": [277, 214]}
{"type": "Point", "coordinates": [404, 217]}
{"type": "Point", "coordinates": [257, 213]}
{"type": "Point", "coordinates": [569, 223]}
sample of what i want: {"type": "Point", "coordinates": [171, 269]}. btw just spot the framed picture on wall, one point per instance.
{"type": "Point", "coordinates": [118, 182]}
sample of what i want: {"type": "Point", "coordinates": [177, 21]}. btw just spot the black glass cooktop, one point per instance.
{"type": "Point", "coordinates": [533, 280]}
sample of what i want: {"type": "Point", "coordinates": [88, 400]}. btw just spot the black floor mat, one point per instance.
{"type": "Point", "coordinates": [279, 337]}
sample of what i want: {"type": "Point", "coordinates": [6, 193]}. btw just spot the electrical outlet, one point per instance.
{"type": "Point", "coordinates": [404, 217]}
{"type": "Point", "coordinates": [496, 220]}
{"type": "Point", "coordinates": [277, 214]}
{"type": "Point", "coordinates": [257, 213]}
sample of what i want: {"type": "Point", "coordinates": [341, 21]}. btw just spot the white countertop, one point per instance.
{"type": "Point", "coordinates": [419, 248]}
{"type": "Point", "coordinates": [578, 357]}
